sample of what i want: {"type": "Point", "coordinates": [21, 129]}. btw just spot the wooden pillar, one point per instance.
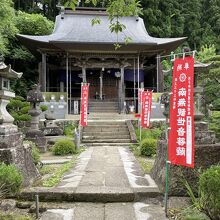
{"type": "Point", "coordinates": [122, 88]}
{"type": "Point", "coordinates": [101, 85]}
{"type": "Point", "coordinates": [84, 74]}
{"type": "Point", "coordinates": [43, 73]}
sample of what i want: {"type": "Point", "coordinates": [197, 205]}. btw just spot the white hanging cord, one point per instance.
{"type": "Point", "coordinates": [177, 54]}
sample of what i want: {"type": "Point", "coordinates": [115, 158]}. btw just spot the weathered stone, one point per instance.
{"type": "Point", "coordinates": [34, 96]}
{"type": "Point", "coordinates": [52, 131]}
{"type": "Point", "coordinates": [7, 205]}
{"type": "Point", "coordinates": [205, 156]}
{"type": "Point", "coordinates": [38, 138]}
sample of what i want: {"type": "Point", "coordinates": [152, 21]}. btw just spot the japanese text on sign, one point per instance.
{"type": "Point", "coordinates": [146, 108]}
{"type": "Point", "coordinates": [84, 105]}
{"type": "Point", "coordinates": [181, 136]}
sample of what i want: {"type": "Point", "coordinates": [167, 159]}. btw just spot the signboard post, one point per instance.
{"type": "Point", "coordinates": [84, 105]}
{"type": "Point", "coordinates": [180, 138]}
{"type": "Point", "coordinates": [181, 141]}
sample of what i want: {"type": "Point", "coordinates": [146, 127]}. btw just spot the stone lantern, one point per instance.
{"type": "Point", "coordinates": [35, 96]}
{"type": "Point", "coordinates": [12, 149]}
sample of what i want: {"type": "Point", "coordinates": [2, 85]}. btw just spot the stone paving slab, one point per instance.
{"type": "Point", "coordinates": [101, 174]}
{"type": "Point", "coordinates": [107, 211]}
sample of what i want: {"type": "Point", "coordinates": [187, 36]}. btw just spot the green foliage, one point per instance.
{"type": "Point", "coordinates": [13, 216]}
{"type": "Point", "coordinates": [209, 189]}
{"type": "Point", "coordinates": [10, 179]}
{"type": "Point", "coordinates": [44, 108]}
{"type": "Point", "coordinates": [55, 179]}
{"type": "Point", "coordinates": [8, 29]}
{"type": "Point", "coordinates": [211, 78]}
{"type": "Point", "coordinates": [64, 147]}
{"type": "Point", "coordinates": [192, 214]}
{"type": "Point", "coordinates": [19, 108]}
{"type": "Point", "coordinates": [35, 154]}
{"type": "Point", "coordinates": [214, 124]}
{"type": "Point", "coordinates": [69, 130]}
{"type": "Point", "coordinates": [148, 147]}
{"type": "Point", "coordinates": [148, 133]}
{"type": "Point", "coordinates": [33, 24]}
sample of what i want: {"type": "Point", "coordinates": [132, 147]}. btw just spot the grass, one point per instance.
{"type": "Point", "coordinates": [57, 176]}
{"type": "Point", "coordinates": [58, 172]}
{"type": "Point", "coordinates": [146, 163]}
{"type": "Point", "coordinates": [13, 216]}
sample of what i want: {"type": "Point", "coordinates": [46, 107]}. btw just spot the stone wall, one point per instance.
{"type": "Point", "coordinates": [207, 153]}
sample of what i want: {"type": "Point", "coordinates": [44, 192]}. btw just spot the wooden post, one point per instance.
{"type": "Point", "coordinates": [67, 81]}
{"type": "Point", "coordinates": [101, 85]}
{"type": "Point", "coordinates": [122, 89]}
{"type": "Point", "coordinates": [84, 74]}
{"type": "Point", "coordinates": [43, 73]}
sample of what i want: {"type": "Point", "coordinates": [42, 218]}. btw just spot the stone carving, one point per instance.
{"type": "Point", "coordinates": [34, 96]}
{"type": "Point", "coordinates": [12, 150]}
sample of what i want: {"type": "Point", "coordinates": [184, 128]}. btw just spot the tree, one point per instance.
{"type": "Point", "coordinates": [211, 79]}
{"type": "Point", "coordinates": [8, 29]}
{"type": "Point", "coordinates": [22, 59]}
{"type": "Point", "coordinates": [163, 18]}
{"type": "Point", "coordinates": [211, 22]}
{"type": "Point", "coordinates": [191, 11]}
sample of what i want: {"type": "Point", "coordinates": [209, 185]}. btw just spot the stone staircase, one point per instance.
{"type": "Point", "coordinates": [103, 106]}
{"type": "Point", "coordinates": [111, 133]}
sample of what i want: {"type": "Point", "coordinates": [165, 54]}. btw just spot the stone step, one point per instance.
{"type": "Point", "coordinates": [94, 110]}
{"type": "Point", "coordinates": [90, 194]}
{"type": "Point", "coordinates": [107, 144]}
{"type": "Point", "coordinates": [95, 137]}
{"type": "Point", "coordinates": [127, 140]}
{"type": "Point", "coordinates": [100, 129]}
{"type": "Point", "coordinates": [107, 123]}
{"type": "Point", "coordinates": [105, 133]}
{"type": "Point", "coordinates": [100, 211]}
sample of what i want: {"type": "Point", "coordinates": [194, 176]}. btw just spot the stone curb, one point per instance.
{"type": "Point", "coordinates": [103, 196]}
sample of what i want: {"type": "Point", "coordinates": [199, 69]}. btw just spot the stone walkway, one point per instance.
{"type": "Point", "coordinates": [107, 183]}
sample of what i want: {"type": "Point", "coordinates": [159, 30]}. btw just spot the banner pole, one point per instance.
{"type": "Point", "coordinates": [167, 174]}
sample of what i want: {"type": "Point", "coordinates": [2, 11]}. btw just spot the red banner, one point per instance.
{"type": "Point", "coordinates": [146, 108]}
{"type": "Point", "coordinates": [181, 135]}
{"type": "Point", "coordinates": [84, 105]}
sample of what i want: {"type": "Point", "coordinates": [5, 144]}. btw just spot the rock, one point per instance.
{"type": "Point", "coordinates": [52, 131]}
{"type": "Point", "coordinates": [23, 205]}
{"type": "Point", "coordinates": [206, 154]}
{"type": "Point", "coordinates": [8, 204]}
{"type": "Point", "coordinates": [49, 117]}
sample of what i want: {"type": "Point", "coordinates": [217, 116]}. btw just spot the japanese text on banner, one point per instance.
{"type": "Point", "coordinates": [84, 105]}
{"type": "Point", "coordinates": [146, 108]}
{"type": "Point", "coordinates": [181, 135]}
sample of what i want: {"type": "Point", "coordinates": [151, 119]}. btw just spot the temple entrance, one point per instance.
{"type": "Point", "coordinates": [103, 85]}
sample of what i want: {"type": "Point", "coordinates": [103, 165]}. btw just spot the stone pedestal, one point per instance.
{"type": "Point", "coordinates": [35, 135]}
{"type": "Point", "coordinates": [207, 153]}
{"type": "Point", "coordinates": [13, 151]}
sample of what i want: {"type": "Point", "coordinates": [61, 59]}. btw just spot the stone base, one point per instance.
{"type": "Point", "coordinates": [20, 155]}
{"type": "Point", "coordinates": [38, 138]}
{"type": "Point", "coordinates": [52, 131]}
{"type": "Point", "coordinates": [205, 156]}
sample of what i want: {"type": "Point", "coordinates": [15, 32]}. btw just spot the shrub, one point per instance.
{"type": "Point", "coordinates": [214, 123]}
{"type": "Point", "coordinates": [148, 147]}
{"type": "Point", "coordinates": [10, 179]}
{"type": "Point", "coordinates": [64, 147]}
{"type": "Point", "coordinates": [209, 191]}
{"type": "Point", "coordinates": [43, 108]}
{"type": "Point", "coordinates": [148, 133]}
{"type": "Point", "coordinates": [192, 214]}
{"type": "Point", "coordinates": [69, 130]}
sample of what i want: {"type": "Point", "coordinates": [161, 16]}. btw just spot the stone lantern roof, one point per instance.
{"type": "Point", "coordinates": [7, 72]}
